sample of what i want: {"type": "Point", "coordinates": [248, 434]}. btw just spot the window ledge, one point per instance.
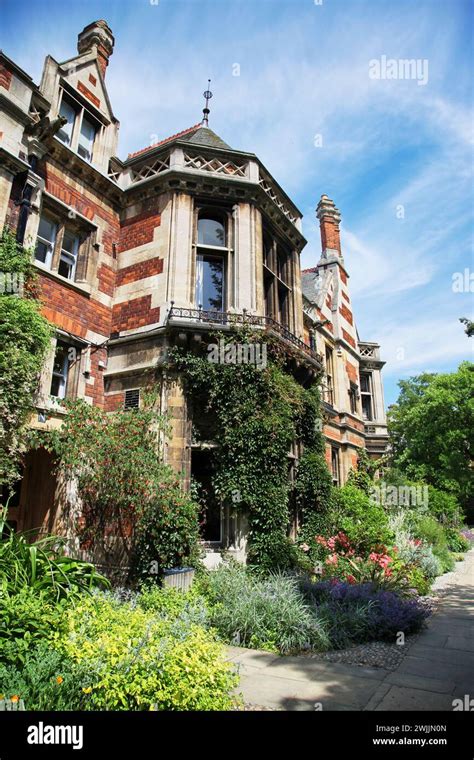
{"type": "Point", "coordinates": [79, 287]}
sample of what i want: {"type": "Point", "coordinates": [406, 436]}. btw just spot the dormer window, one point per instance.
{"type": "Point", "coordinates": [81, 128]}
{"type": "Point", "coordinates": [86, 139]}
{"type": "Point", "coordinates": [69, 113]}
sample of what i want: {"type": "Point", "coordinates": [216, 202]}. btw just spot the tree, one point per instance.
{"type": "Point", "coordinates": [431, 429]}
{"type": "Point", "coordinates": [24, 340]}
{"type": "Point", "coordinates": [469, 326]}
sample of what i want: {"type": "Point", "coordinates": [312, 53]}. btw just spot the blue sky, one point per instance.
{"type": "Point", "coordinates": [396, 156]}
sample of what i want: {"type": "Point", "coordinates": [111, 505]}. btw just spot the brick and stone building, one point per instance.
{"type": "Point", "coordinates": [135, 254]}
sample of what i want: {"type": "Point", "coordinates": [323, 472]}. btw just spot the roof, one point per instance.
{"type": "Point", "coordinates": [198, 135]}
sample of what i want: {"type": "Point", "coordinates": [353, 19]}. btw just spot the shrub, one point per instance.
{"type": "Point", "coordinates": [166, 531]}
{"type": "Point", "coordinates": [46, 680]}
{"type": "Point", "coordinates": [444, 507]}
{"type": "Point", "coordinates": [27, 618]}
{"type": "Point", "coordinates": [366, 613]}
{"type": "Point", "coordinates": [313, 489]}
{"type": "Point", "coordinates": [137, 660]}
{"type": "Point", "coordinates": [457, 542]}
{"type": "Point", "coordinates": [360, 518]}
{"type": "Point", "coordinates": [42, 565]}
{"type": "Point", "coordinates": [427, 529]}
{"type": "Point", "coordinates": [261, 613]}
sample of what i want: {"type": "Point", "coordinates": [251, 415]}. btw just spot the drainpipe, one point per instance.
{"type": "Point", "coordinates": [25, 202]}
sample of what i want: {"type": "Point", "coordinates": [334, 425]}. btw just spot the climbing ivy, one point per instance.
{"type": "Point", "coordinates": [258, 412]}
{"type": "Point", "coordinates": [24, 340]}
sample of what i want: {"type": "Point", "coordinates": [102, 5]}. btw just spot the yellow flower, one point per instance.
{"type": "Point", "coordinates": [59, 679]}
{"type": "Point", "coordinates": [15, 698]}
{"type": "Point", "coordinates": [87, 690]}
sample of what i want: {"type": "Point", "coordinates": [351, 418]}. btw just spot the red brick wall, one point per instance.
{"type": "Point", "coordinates": [83, 205]}
{"type": "Point", "coordinates": [138, 230]}
{"type": "Point", "coordinates": [5, 76]}
{"type": "Point", "coordinates": [348, 337]}
{"type": "Point", "coordinates": [353, 373]}
{"type": "Point", "coordinates": [135, 313]}
{"type": "Point", "coordinates": [72, 311]}
{"type": "Point", "coordinates": [343, 276]}
{"type": "Point", "coordinates": [139, 271]}
{"type": "Point", "coordinates": [96, 389]}
{"type": "Point", "coordinates": [106, 276]}
{"type": "Point", "coordinates": [330, 233]}
{"type": "Point", "coordinates": [346, 313]}
{"type": "Point", "coordinates": [114, 402]}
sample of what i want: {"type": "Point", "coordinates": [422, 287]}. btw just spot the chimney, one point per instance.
{"type": "Point", "coordinates": [97, 37]}
{"type": "Point", "coordinates": [329, 218]}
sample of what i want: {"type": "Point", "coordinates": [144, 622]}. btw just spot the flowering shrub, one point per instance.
{"type": "Point", "coordinates": [365, 611]}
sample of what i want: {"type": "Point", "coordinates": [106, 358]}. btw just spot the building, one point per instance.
{"type": "Point", "coordinates": [135, 254]}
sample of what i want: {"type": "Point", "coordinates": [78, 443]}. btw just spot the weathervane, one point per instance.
{"type": "Point", "coordinates": [208, 95]}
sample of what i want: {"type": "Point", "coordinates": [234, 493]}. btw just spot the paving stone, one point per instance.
{"type": "Point", "coordinates": [411, 681]}
{"type": "Point", "coordinates": [401, 698]}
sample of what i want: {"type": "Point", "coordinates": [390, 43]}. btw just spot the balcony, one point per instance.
{"type": "Point", "coordinates": [178, 316]}
{"type": "Point", "coordinates": [370, 355]}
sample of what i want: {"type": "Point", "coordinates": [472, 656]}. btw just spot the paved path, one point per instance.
{"type": "Point", "coordinates": [438, 666]}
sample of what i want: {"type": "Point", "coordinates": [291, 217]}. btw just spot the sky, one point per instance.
{"type": "Point", "coordinates": [316, 89]}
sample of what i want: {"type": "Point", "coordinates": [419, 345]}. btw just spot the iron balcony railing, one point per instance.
{"type": "Point", "coordinates": [226, 318]}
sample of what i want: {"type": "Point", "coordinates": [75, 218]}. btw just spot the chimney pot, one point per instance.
{"type": "Point", "coordinates": [97, 37]}
{"type": "Point", "coordinates": [329, 217]}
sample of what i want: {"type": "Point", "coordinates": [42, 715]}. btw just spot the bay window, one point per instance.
{"type": "Point", "coordinates": [211, 261]}
{"type": "Point", "coordinates": [276, 279]}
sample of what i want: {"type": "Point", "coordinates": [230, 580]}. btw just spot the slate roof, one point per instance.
{"type": "Point", "coordinates": [196, 135]}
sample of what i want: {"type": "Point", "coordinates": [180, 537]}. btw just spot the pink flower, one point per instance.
{"type": "Point", "coordinates": [388, 572]}
{"type": "Point", "coordinates": [332, 560]}
{"type": "Point", "coordinates": [321, 540]}
{"type": "Point", "coordinates": [351, 579]}
{"type": "Point", "coordinates": [304, 547]}
{"type": "Point", "coordinates": [373, 557]}
{"type": "Point", "coordinates": [331, 543]}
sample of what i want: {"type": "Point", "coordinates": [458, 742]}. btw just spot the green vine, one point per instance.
{"type": "Point", "coordinates": [24, 340]}
{"type": "Point", "coordinates": [257, 413]}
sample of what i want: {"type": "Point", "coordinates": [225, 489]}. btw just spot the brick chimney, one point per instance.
{"type": "Point", "coordinates": [97, 37]}
{"type": "Point", "coordinates": [329, 218]}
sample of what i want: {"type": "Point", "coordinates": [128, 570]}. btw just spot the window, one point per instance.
{"type": "Point", "coordinates": [210, 282]}
{"type": "Point", "coordinates": [81, 128]}
{"type": "Point", "coordinates": [211, 263]}
{"type": "Point", "coordinates": [132, 399]}
{"type": "Point", "coordinates": [68, 257]}
{"type": "Point", "coordinates": [86, 139]}
{"type": "Point", "coordinates": [335, 465]}
{"type": "Point", "coordinates": [69, 113]}
{"type": "Point", "coordinates": [211, 232]}
{"type": "Point", "coordinates": [353, 396]}
{"type": "Point", "coordinates": [61, 365]}
{"type": "Point", "coordinates": [366, 395]}
{"type": "Point", "coordinates": [276, 276]}
{"type": "Point", "coordinates": [329, 392]}
{"type": "Point", "coordinates": [45, 241]}
{"type": "Point", "coordinates": [63, 248]}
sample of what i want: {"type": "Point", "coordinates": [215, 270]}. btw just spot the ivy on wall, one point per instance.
{"type": "Point", "coordinates": [25, 337]}
{"type": "Point", "coordinates": [258, 412]}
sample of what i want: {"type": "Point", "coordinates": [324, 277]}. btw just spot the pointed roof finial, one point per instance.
{"type": "Point", "coordinates": [206, 111]}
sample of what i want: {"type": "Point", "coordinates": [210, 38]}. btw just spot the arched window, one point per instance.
{"type": "Point", "coordinates": [211, 230]}
{"type": "Point", "coordinates": [210, 261]}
